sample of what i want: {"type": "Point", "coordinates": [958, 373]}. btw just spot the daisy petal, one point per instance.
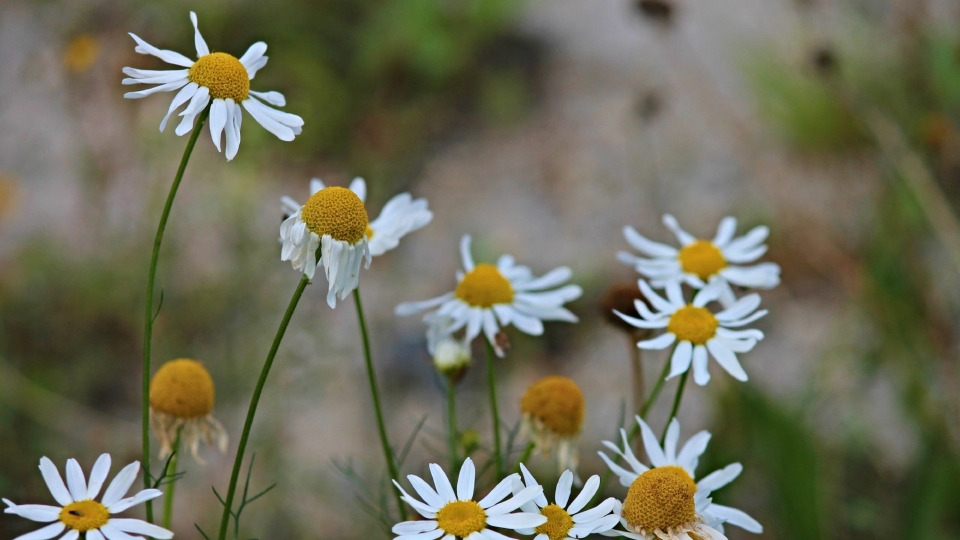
{"type": "Point", "coordinates": [736, 517]}
{"type": "Point", "coordinates": [253, 54]}
{"type": "Point", "coordinates": [660, 342]}
{"type": "Point", "coordinates": [670, 441]}
{"type": "Point", "coordinates": [359, 186]}
{"type": "Point", "coordinates": [426, 492]}
{"type": "Point", "coordinates": [198, 41]}
{"type": "Point", "coordinates": [414, 527]}
{"type": "Point", "coordinates": [170, 57]}
{"type": "Point", "coordinates": [40, 513]}
{"type": "Point", "coordinates": [498, 493]}
{"type": "Point", "coordinates": [432, 535]}
{"type": "Point", "coordinates": [218, 119]}
{"type": "Point", "coordinates": [465, 253]}
{"type": "Point", "coordinates": [136, 526]}
{"type": "Point", "coordinates": [142, 496]}
{"type": "Point", "coordinates": [725, 231]}
{"type": "Point", "coordinates": [54, 483]}
{"type": "Point", "coordinates": [718, 479]}
{"type": "Point", "coordinates": [45, 533]}
{"type": "Point", "coordinates": [650, 444]}
{"type": "Point", "coordinates": [690, 453]}
{"type": "Point", "coordinates": [519, 520]}
{"type": "Point", "coordinates": [121, 484]}
{"type": "Point", "coordinates": [596, 512]}
{"type": "Point", "coordinates": [700, 373]}
{"type": "Point", "coordinates": [444, 489]}
{"type": "Point", "coordinates": [680, 360]}
{"type": "Point", "coordinates": [727, 359]}
{"type": "Point", "coordinates": [589, 490]}
{"type": "Point", "coordinates": [562, 494]}
{"type": "Point", "coordinates": [648, 247]}
{"type": "Point", "coordinates": [76, 482]}
{"type": "Point", "coordinates": [466, 480]}
{"type": "Point", "coordinates": [683, 236]}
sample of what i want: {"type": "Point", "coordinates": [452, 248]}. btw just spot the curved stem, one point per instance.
{"type": "Point", "coordinates": [149, 315]}
{"type": "Point", "coordinates": [527, 452]}
{"type": "Point", "coordinates": [375, 392]}
{"type": "Point", "coordinates": [254, 401]}
{"type": "Point", "coordinates": [676, 404]}
{"type": "Point", "coordinates": [171, 473]}
{"type": "Point", "coordinates": [492, 383]}
{"type": "Point", "coordinates": [452, 441]}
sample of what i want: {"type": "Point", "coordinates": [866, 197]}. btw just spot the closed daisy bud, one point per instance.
{"type": "Point", "coordinates": [181, 400]}
{"type": "Point", "coordinates": [553, 409]}
{"type": "Point", "coordinates": [451, 357]}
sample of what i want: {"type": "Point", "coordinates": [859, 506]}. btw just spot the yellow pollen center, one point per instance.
{"type": "Point", "coordinates": [557, 402]}
{"type": "Point", "coordinates": [369, 232]}
{"type": "Point", "coordinates": [694, 324]}
{"type": "Point", "coordinates": [702, 258]}
{"type": "Point", "coordinates": [223, 75]}
{"type": "Point", "coordinates": [461, 518]}
{"type": "Point", "coordinates": [485, 286]}
{"type": "Point", "coordinates": [661, 498]}
{"type": "Point", "coordinates": [84, 516]}
{"type": "Point", "coordinates": [338, 212]}
{"type": "Point", "coordinates": [558, 522]}
{"type": "Point", "coordinates": [182, 388]}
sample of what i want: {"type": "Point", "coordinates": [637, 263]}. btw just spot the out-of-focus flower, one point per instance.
{"type": "Point", "coordinates": [8, 195]}
{"type": "Point", "coordinates": [620, 298]}
{"type": "Point", "coordinates": [664, 502]}
{"type": "Point", "coordinates": [469, 441]}
{"type": "Point", "coordinates": [81, 53]}
{"type": "Point", "coordinates": [699, 262]}
{"type": "Point", "coordinates": [552, 411]}
{"type": "Point", "coordinates": [79, 512]}
{"type": "Point", "coordinates": [217, 79]}
{"type": "Point", "coordinates": [456, 514]}
{"type": "Point", "coordinates": [452, 357]}
{"type": "Point", "coordinates": [182, 394]}
{"type": "Point", "coordinates": [334, 221]}
{"type": "Point", "coordinates": [657, 11]}
{"type": "Point", "coordinates": [696, 330]}
{"type": "Point", "coordinates": [488, 297]}
{"type": "Point", "coordinates": [568, 522]}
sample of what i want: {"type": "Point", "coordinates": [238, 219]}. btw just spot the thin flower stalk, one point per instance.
{"type": "Point", "coordinates": [492, 384]}
{"type": "Point", "coordinates": [452, 441]}
{"type": "Point", "coordinates": [676, 404]}
{"type": "Point", "coordinates": [171, 473]}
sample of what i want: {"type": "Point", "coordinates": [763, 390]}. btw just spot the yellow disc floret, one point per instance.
{"type": "Point", "coordinates": [557, 402]}
{"type": "Point", "coordinates": [338, 212]}
{"type": "Point", "coordinates": [84, 516]}
{"type": "Point", "coordinates": [661, 498]}
{"type": "Point", "coordinates": [702, 258]}
{"type": "Point", "coordinates": [485, 286]}
{"type": "Point", "coordinates": [182, 388]}
{"type": "Point", "coordinates": [223, 75]}
{"type": "Point", "coordinates": [369, 232]}
{"type": "Point", "coordinates": [558, 522]}
{"type": "Point", "coordinates": [461, 518]}
{"type": "Point", "coordinates": [694, 324]}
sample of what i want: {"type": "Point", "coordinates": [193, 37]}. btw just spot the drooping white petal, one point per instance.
{"type": "Point", "coordinates": [170, 57]}
{"type": "Point", "coordinates": [736, 517]}
{"type": "Point", "coordinates": [182, 97]}
{"type": "Point", "coordinates": [409, 308]}
{"type": "Point", "coordinates": [199, 100]}
{"type": "Point", "coordinates": [198, 41]}
{"type": "Point", "coordinates": [727, 359]}
{"type": "Point", "coordinates": [465, 255]}
{"type": "Point", "coordinates": [34, 512]}
{"type": "Point", "coordinates": [218, 119]}
{"type": "Point", "coordinates": [683, 236]}
{"type": "Point", "coordinates": [700, 373]}
{"type": "Point", "coordinates": [660, 342]}
{"type": "Point", "coordinates": [680, 360]}
{"type": "Point", "coordinates": [44, 533]}
{"type": "Point", "coordinates": [646, 246]}
{"type": "Point", "coordinates": [234, 119]}
{"type": "Point", "coordinates": [259, 113]}
{"type": "Point", "coordinates": [168, 87]}
{"type": "Point", "coordinates": [414, 527]}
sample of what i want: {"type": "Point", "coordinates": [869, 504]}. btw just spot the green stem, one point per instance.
{"type": "Point", "coordinates": [676, 404]}
{"type": "Point", "coordinates": [492, 383]}
{"type": "Point", "coordinates": [527, 452]}
{"type": "Point", "coordinates": [171, 473]}
{"type": "Point", "coordinates": [254, 401]}
{"type": "Point", "coordinates": [452, 441]}
{"type": "Point", "coordinates": [375, 392]}
{"type": "Point", "coordinates": [148, 309]}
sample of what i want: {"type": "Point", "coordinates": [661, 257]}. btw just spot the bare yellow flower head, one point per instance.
{"type": "Point", "coordinates": [223, 74]}
{"type": "Point", "coordinates": [661, 499]}
{"type": "Point", "coordinates": [81, 53]}
{"type": "Point", "coordinates": [702, 258]}
{"type": "Point", "coordinates": [558, 524]}
{"type": "Point", "coordinates": [694, 324]}
{"type": "Point", "coordinates": [337, 212]}
{"type": "Point", "coordinates": [553, 410]}
{"type": "Point", "coordinates": [461, 518]}
{"type": "Point", "coordinates": [484, 286]}
{"type": "Point", "coordinates": [182, 395]}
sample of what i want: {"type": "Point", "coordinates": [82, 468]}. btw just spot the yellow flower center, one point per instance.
{"type": "Point", "coordinates": [223, 75]}
{"type": "Point", "coordinates": [694, 324]}
{"type": "Point", "coordinates": [369, 232]}
{"type": "Point", "coordinates": [557, 402]}
{"type": "Point", "coordinates": [485, 286]}
{"type": "Point", "coordinates": [461, 518]}
{"type": "Point", "coordinates": [84, 516]}
{"type": "Point", "coordinates": [558, 522]}
{"type": "Point", "coordinates": [702, 258]}
{"type": "Point", "coordinates": [81, 53]}
{"type": "Point", "coordinates": [182, 388]}
{"type": "Point", "coordinates": [660, 498]}
{"type": "Point", "coordinates": [338, 212]}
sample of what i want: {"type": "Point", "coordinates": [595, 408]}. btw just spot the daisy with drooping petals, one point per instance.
{"type": "Point", "coordinates": [568, 522]}
{"type": "Point", "coordinates": [220, 80]}
{"type": "Point", "coordinates": [696, 330]}
{"type": "Point", "coordinates": [181, 403]}
{"type": "Point", "coordinates": [451, 515]}
{"type": "Point", "coordinates": [699, 262]}
{"type": "Point", "coordinates": [664, 502]}
{"type": "Point", "coordinates": [552, 411]}
{"type": "Point", "coordinates": [79, 513]}
{"type": "Point", "coordinates": [488, 297]}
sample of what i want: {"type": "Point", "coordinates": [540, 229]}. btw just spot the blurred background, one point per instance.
{"type": "Point", "coordinates": [541, 128]}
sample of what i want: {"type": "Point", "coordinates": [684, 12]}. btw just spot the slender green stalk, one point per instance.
{"type": "Point", "coordinates": [492, 382]}
{"type": "Point", "coordinates": [527, 452]}
{"type": "Point", "coordinates": [254, 401]}
{"type": "Point", "coordinates": [148, 308]}
{"type": "Point", "coordinates": [171, 473]}
{"type": "Point", "coordinates": [676, 404]}
{"type": "Point", "coordinates": [375, 392]}
{"type": "Point", "coordinates": [636, 365]}
{"type": "Point", "coordinates": [452, 440]}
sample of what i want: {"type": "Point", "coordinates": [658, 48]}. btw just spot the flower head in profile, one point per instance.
{"type": "Point", "coordinates": [664, 502]}
{"type": "Point", "coordinates": [449, 515]}
{"type": "Point", "coordinates": [490, 296]}
{"type": "Point", "coordinates": [451, 355]}
{"type": "Point", "coordinates": [696, 330]}
{"type": "Point", "coordinates": [217, 79]}
{"type": "Point", "coordinates": [566, 522]}
{"type": "Point", "coordinates": [552, 411]}
{"type": "Point", "coordinates": [80, 513]}
{"type": "Point", "coordinates": [699, 262]}
{"type": "Point", "coordinates": [181, 402]}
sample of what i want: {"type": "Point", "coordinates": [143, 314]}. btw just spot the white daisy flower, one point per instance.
{"type": "Point", "coordinates": [699, 262]}
{"type": "Point", "coordinates": [79, 513]}
{"type": "Point", "coordinates": [664, 502]}
{"type": "Point", "coordinates": [488, 297]}
{"type": "Point", "coordinates": [567, 522]}
{"type": "Point", "coordinates": [552, 412]}
{"type": "Point", "coordinates": [696, 330]}
{"type": "Point", "coordinates": [218, 79]}
{"type": "Point", "coordinates": [456, 515]}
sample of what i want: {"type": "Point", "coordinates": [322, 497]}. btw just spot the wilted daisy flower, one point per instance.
{"type": "Point", "coordinates": [79, 513]}
{"type": "Point", "coordinates": [566, 522]}
{"type": "Point", "coordinates": [664, 502]}
{"type": "Point", "coordinates": [488, 297]}
{"type": "Point", "coordinates": [699, 262]}
{"type": "Point", "coordinates": [220, 80]}
{"type": "Point", "coordinates": [456, 515]}
{"type": "Point", "coordinates": [552, 412]}
{"type": "Point", "coordinates": [696, 330]}
{"type": "Point", "coordinates": [181, 401]}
